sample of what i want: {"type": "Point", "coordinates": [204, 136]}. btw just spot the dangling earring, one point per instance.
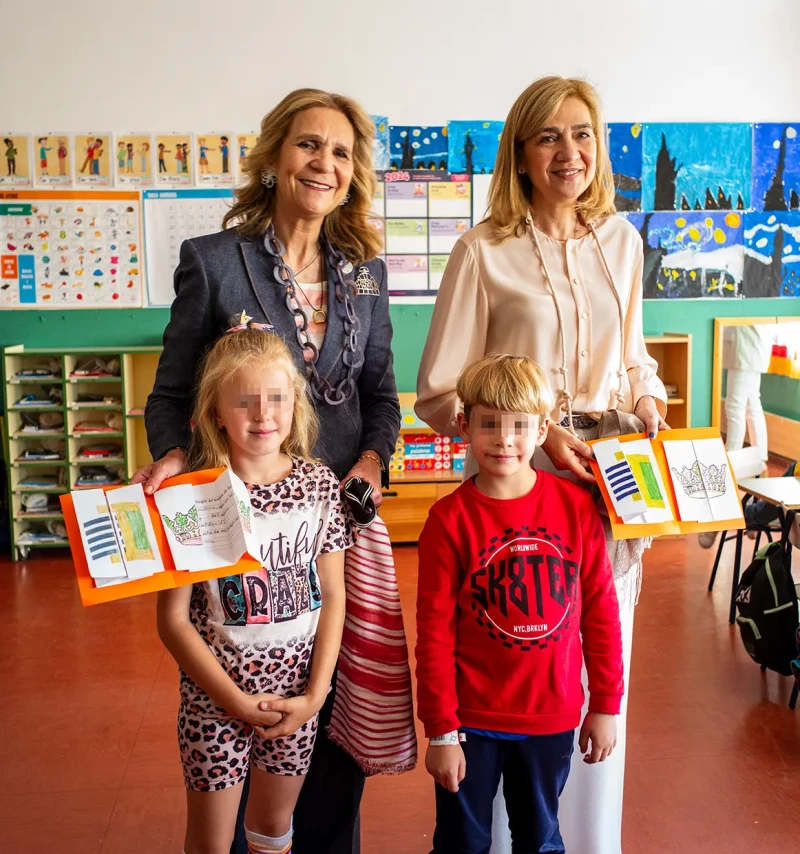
{"type": "Point", "coordinates": [269, 178]}
{"type": "Point", "coordinates": [344, 201]}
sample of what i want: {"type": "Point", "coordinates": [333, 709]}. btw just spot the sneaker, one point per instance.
{"type": "Point", "coordinates": [707, 539]}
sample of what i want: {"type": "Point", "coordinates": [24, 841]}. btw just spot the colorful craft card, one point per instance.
{"type": "Point", "coordinates": [215, 159]}
{"type": "Point", "coordinates": [173, 158]}
{"type": "Point", "coordinates": [133, 156]}
{"type": "Point", "coordinates": [93, 153]}
{"type": "Point", "coordinates": [679, 483]}
{"type": "Point", "coordinates": [52, 158]}
{"type": "Point", "coordinates": [17, 169]}
{"type": "Point", "coordinates": [124, 543]}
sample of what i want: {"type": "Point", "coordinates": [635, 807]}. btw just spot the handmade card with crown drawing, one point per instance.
{"type": "Point", "coordinates": [702, 481]}
{"type": "Point", "coordinates": [208, 525]}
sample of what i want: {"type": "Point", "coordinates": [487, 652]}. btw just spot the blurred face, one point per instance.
{"type": "Point", "coordinates": [315, 165]}
{"type": "Point", "coordinates": [560, 158]}
{"type": "Point", "coordinates": [502, 443]}
{"type": "Point", "coordinates": [255, 409]}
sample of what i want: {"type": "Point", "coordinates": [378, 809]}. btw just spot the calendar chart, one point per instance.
{"type": "Point", "coordinates": [170, 217]}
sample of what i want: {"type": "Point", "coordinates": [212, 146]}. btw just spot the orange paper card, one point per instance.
{"type": "Point", "coordinates": [690, 489]}
{"type": "Point", "coordinates": [167, 579]}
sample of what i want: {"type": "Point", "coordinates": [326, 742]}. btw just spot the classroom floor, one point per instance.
{"type": "Point", "coordinates": [89, 756]}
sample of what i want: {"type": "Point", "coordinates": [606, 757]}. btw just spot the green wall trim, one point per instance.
{"type": "Point", "coordinates": [126, 327]}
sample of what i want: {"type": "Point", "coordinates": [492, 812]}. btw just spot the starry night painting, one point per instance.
{"type": "Point", "coordinates": [772, 254]}
{"type": "Point", "coordinates": [625, 151]}
{"type": "Point", "coordinates": [418, 147]}
{"type": "Point", "coordinates": [776, 167]}
{"type": "Point", "coordinates": [472, 146]}
{"type": "Point", "coordinates": [691, 255]}
{"type": "Point", "coordinates": [692, 166]}
{"type": "Point", "coordinates": [380, 145]}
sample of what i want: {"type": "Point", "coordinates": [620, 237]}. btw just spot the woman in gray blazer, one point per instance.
{"type": "Point", "coordinates": [298, 252]}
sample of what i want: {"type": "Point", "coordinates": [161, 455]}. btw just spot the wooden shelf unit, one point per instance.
{"type": "Point", "coordinates": [673, 352]}
{"type": "Point", "coordinates": [130, 387]}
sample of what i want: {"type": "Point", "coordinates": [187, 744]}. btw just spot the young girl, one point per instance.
{"type": "Point", "coordinates": [250, 687]}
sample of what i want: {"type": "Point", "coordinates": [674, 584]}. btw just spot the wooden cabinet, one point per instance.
{"type": "Point", "coordinates": [407, 502]}
{"type": "Point", "coordinates": [673, 352]}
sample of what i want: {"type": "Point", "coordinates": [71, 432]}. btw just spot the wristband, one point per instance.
{"type": "Point", "coordinates": [446, 740]}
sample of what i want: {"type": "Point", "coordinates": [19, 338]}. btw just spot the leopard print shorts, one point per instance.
{"type": "Point", "coordinates": [216, 751]}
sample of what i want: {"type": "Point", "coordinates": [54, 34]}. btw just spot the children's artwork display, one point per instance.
{"type": "Point", "coordinates": [52, 159]}
{"type": "Point", "coordinates": [472, 146]}
{"type": "Point", "coordinates": [418, 147]}
{"type": "Point", "coordinates": [196, 527]}
{"type": "Point", "coordinates": [776, 167]}
{"type": "Point", "coordinates": [691, 255]}
{"type": "Point", "coordinates": [245, 142]}
{"type": "Point", "coordinates": [15, 167]}
{"type": "Point", "coordinates": [625, 151]}
{"type": "Point", "coordinates": [679, 483]}
{"type": "Point", "coordinates": [133, 159]}
{"type": "Point", "coordinates": [93, 159]}
{"type": "Point", "coordinates": [173, 160]}
{"type": "Point", "coordinates": [694, 166]}
{"type": "Point", "coordinates": [425, 213]}
{"type": "Point", "coordinates": [214, 159]}
{"type": "Point", "coordinates": [170, 217]}
{"type": "Point", "coordinates": [380, 146]}
{"type": "Point", "coordinates": [772, 253]}
{"type": "Point", "coordinates": [67, 248]}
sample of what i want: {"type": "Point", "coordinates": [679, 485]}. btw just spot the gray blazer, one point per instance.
{"type": "Point", "coordinates": [223, 274]}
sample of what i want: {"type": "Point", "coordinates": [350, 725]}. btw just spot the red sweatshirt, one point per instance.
{"type": "Point", "coordinates": [507, 589]}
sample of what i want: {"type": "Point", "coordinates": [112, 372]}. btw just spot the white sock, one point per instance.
{"type": "Point", "coordinates": [257, 843]}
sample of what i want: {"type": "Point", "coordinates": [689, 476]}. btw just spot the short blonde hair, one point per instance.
{"type": "Point", "coordinates": [510, 193]}
{"type": "Point", "coordinates": [505, 383]}
{"type": "Point", "coordinates": [233, 351]}
{"type": "Point", "coordinates": [348, 226]}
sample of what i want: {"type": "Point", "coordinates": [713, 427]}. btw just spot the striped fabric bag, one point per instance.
{"type": "Point", "coordinates": [373, 712]}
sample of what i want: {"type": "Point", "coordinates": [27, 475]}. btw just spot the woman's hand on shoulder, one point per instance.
{"type": "Point", "coordinates": [647, 412]}
{"type": "Point", "coordinates": [171, 464]}
{"type": "Point", "coordinates": [568, 452]}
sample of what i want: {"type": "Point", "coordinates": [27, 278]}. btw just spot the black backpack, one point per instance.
{"type": "Point", "coordinates": [767, 603]}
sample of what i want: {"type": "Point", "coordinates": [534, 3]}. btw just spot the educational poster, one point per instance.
{"type": "Point", "coordinates": [480, 197]}
{"type": "Point", "coordinates": [214, 159]}
{"type": "Point", "coordinates": [173, 160]}
{"type": "Point", "coordinates": [776, 167]}
{"type": "Point", "coordinates": [472, 146]}
{"type": "Point", "coordinates": [418, 147]}
{"type": "Point", "coordinates": [170, 217]}
{"type": "Point", "coordinates": [69, 248]}
{"type": "Point", "coordinates": [245, 143]}
{"type": "Point", "coordinates": [425, 212]}
{"type": "Point", "coordinates": [772, 253]}
{"type": "Point", "coordinates": [15, 167]}
{"type": "Point", "coordinates": [625, 151]}
{"type": "Point", "coordinates": [93, 159]}
{"type": "Point", "coordinates": [691, 255]}
{"type": "Point", "coordinates": [380, 145]}
{"type": "Point", "coordinates": [133, 159]}
{"type": "Point", "coordinates": [693, 166]}
{"type": "Point", "coordinates": [52, 159]}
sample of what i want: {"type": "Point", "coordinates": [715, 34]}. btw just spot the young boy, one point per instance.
{"type": "Point", "coordinates": [515, 593]}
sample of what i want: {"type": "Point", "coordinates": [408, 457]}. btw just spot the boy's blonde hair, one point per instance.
{"type": "Point", "coordinates": [506, 383]}
{"type": "Point", "coordinates": [232, 352]}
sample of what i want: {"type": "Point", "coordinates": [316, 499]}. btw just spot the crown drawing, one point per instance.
{"type": "Point", "coordinates": [244, 515]}
{"type": "Point", "coordinates": [185, 527]}
{"type": "Point", "coordinates": [702, 481]}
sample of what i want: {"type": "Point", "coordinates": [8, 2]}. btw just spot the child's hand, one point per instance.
{"type": "Point", "coordinates": [249, 709]}
{"type": "Point", "coordinates": [447, 765]}
{"type": "Point", "coordinates": [295, 711]}
{"type": "Point", "coordinates": [601, 730]}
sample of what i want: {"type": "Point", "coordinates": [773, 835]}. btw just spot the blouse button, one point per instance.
{"type": "Point", "coordinates": [584, 315]}
{"type": "Point", "coordinates": [584, 353]}
{"type": "Point", "coordinates": [584, 389]}
{"type": "Point", "coordinates": [576, 281]}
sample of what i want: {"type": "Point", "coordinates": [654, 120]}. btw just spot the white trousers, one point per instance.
{"type": "Point", "coordinates": [743, 411]}
{"type": "Point", "coordinates": [590, 810]}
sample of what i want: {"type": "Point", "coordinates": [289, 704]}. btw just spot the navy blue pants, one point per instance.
{"type": "Point", "coordinates": [534, 772]}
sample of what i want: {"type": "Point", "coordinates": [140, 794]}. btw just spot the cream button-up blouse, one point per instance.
{"type": "Point", "coordinates": [494, 298]}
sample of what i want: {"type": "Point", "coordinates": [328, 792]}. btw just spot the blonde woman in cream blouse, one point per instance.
{"type": "Point", "coordinates": [553, 274]}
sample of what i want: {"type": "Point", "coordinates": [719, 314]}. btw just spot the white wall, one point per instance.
{"type": "Point", "coordinates": [121, 65]}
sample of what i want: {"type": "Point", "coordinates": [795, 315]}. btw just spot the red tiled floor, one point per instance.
{"type": "Point", "coordinates": [90, 758]}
